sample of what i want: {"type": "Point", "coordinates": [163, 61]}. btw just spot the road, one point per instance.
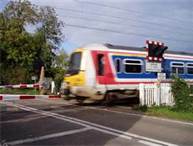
{"type": "Point", "coordinates": [59, 122]}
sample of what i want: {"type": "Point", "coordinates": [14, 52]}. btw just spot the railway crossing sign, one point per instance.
{"type": "Point", "coordinates": [153, 66]}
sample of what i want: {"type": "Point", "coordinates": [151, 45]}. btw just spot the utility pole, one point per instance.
{"type": "Point", "coordinates": [42, 78]}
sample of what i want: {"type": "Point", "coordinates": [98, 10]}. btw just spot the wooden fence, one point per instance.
{"type": "Point", "coordinates": [156, 94]}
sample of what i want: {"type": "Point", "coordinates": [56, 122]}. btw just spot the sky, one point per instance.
{"type": "Point", "coordinates": [124, 22]}
{"type": "Point", "coordinates": [2, 4]}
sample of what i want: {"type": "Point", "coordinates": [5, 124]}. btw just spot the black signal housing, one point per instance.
{"type": "Point", "coordinates": [155, 50]}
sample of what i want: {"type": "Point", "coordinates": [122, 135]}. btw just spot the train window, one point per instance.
{"type": "Point", "coordinates": [190, 68]}
{"type": "Point", "coordinates": [100, 64]}
{"type": "Point", "coordinates": [74, 65]}
{"type": "Point", "coordinates": [132, 66]}
{"type": "Point", "coordinates": [118, 65]}
{"type": "Point", "coordinates": [177, 68]}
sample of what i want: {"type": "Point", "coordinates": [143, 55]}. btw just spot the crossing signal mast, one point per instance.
{"type": "Point", "coordinates": [155, 57]}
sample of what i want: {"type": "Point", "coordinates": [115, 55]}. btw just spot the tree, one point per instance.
{"type": "Point", "coordinates": [20, 48]}
{"type": "Point", "coordinates": [60, 64]}
{"type": "Point", "coordinates": [61, 59]}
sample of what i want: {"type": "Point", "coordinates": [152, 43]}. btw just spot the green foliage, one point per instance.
{"type": "Point", "coordinates": [181, 93]}
{"type": "Point", "coordinates": [15, 75]}
{"type": "Point", "coordinates": [143, 108]}
{"type": "Point", "coordinates": [61, 59]}
{"type": "Point", "coordinates": [59, 77]}
{"type": "Point", "coordinates": [168, 112]}
{"type": "Point", "coordinates": [22, 53]}
{"type": "Point", "coordinates": [59, 68]}
{"type": "Point", "coordinates": [19, 91]}
{"type": "Point", "coordinates": [191, 89]}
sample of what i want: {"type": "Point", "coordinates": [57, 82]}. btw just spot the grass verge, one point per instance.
{"type": "Point", "coordinates": [166, 112]}
{"type": "Point", "coordinates": [19, 91]}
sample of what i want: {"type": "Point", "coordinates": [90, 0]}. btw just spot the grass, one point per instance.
{"type": "Point", "coordinates": [167, 112]}
{"type": "Point", "coordinates": [19, 91]}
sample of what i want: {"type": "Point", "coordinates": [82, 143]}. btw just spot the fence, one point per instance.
{"type": "Point", "coordinates": [154, 94]}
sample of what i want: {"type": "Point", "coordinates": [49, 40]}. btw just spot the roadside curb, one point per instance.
{"type": "Point", "coordinates": [6, 97]}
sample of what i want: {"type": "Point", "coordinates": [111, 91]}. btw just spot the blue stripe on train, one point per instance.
{"type": "Point", "coordinates": [165, 65]}
{"type": "Point", "coordinates": [168, 69]}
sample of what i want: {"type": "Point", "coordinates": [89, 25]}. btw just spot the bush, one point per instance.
{"type": "Point", "coordinates": [143, 108]}
{"type": "Point", "coordinates": [181, 93]}
{"type": "Point", "coordinates": [58, 77]}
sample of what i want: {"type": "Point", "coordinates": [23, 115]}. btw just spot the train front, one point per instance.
{"type": "Point", "coordinates": [74, 78]}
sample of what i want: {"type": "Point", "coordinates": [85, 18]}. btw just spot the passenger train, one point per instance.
{"type": "Point", "coordinates": [105, 72]}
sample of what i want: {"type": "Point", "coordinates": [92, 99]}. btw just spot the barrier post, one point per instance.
{"type": "Point", "coordinates": [141, 94]}
{"type": "Point", "coordinates": [157, 93]}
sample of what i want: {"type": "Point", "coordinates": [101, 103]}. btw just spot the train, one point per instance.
{"type": "Point", "coordinates": [106, 72]}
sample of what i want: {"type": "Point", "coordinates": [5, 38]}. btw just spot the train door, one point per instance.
{"type": "Point", "coordinates": [100, 68]}
{"type": "Point", "coordinates": [101, 60]}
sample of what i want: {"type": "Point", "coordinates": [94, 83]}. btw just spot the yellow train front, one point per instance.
{"type": "Point", "coordinates": [80, 79]}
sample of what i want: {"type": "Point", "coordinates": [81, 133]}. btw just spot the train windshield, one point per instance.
{"type": "Point", "coordinates": [74, 65]}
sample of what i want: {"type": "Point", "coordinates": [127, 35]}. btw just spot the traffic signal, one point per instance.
{"type": "Point", "coordinates": [155, 50]}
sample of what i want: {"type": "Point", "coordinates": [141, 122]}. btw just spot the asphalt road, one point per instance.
{"type": "Point", "coordinates": [62, 123]}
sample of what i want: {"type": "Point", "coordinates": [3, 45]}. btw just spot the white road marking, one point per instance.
{"type": "Point", "coordinates": [129, 114]}
{"type": "Point", "coordinates": [91, 125]}
{"type": "Point", "coordinates": [54, 135]}
{"type": "Point", "coordinates": [64, 118]}
{"type": "Point", "coordinates": [144, 116]}
{"type": "Point", "coordinates": [118, 112]}
{"type": "Point", "coordinates": [10, 97]}
{"type": "Point", "coordinates": [148, 143]}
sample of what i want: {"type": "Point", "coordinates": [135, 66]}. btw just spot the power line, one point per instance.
{"type": "Point", "coordinates": [129, 10]}
{"type": "Point", "coordinates": [114, 31]}
{"type": "Point", "coordinates": [122, 18]}
{"type": "Point", "coordinates": [123, 32]}
{"type": "Point", "coordinates": [114, 23]}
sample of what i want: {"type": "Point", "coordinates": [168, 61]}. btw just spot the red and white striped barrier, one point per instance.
{"type": "Point", "coordinates": [37, 85]}
{"type": "Point", "coordinates": [6, 97]}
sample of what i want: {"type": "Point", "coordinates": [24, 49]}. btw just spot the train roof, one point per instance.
{"type": "Point", "coordinates": [117, 47]}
